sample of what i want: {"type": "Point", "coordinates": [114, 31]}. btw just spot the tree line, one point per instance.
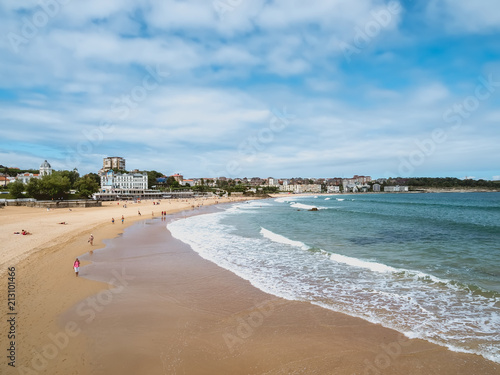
{"type": "Point", "coordinates": [56, 186]}
{"type": "Point", "coordinates": [443, 182]}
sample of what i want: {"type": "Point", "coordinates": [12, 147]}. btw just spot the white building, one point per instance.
{"type": "Point", "coordinates": [26, 177]}
{"type": "Point", "coordinates": [395, 189]}
{"type": "Point", "coordinates": [350, 188]}
{"type": "Point", "coordinates": [45, 169]}
{"type": "Point", "coordinates": [272, 181]}
{"type": "Point", "coordinates": [286, 187]}
{"type": "Point", "coordinates": [311, 188]}
{"type": "Point", "coordinates": [333, 189]}
{"type": "Point", "coordinates": [190, 182]}
{"type": "Point", "coordinates": [304, 188]}
{"type": "Point", "coordinates": [125, 182]}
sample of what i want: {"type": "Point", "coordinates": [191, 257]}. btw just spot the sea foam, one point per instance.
{"type": "Point", "coordinates": [282, 239]}
{"type": "Point", "coordinates": [307, 206]}
{"type": "Point", "coordinates": [373, 266]}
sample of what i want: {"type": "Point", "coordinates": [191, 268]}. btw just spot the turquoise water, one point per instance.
{"type": "Point", "coordinates": [427, 265]}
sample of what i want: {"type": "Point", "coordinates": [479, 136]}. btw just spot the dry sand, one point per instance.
{"type": "Point", "coordinates": [195, 319]}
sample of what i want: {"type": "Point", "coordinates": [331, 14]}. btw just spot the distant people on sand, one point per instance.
{"type": "Point", "coordinates": [76, 266]}
{"type": "Point", "coordinates": [139, 212]}
{"type": "Point", "coordinates": [112, 220]}
{"type": "Point", "coordinates": [63, 222]}
{"type": "Point", "coordinates": [23, 232]}
{"type": "Point", "coordinates": [91, 240]}
{"type": "Point", "coordinates": [123, 219]}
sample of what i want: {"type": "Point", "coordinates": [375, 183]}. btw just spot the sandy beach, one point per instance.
{"type": "Point", "coordinates": [168, 311]}
{"type": "Point", "coordinates": [45, 284]}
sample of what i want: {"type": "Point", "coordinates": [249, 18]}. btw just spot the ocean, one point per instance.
{"type": "Point", "coordinates": [426, 265]}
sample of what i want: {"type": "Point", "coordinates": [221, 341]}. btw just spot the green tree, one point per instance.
{"type": "Point", "coordinates": [95, 177]}
{"type": "Point", "coordinates": [152, 176]}
{"type": "Point", "coordinates": [73, 176]}
{"type": "Point", "coordinates": [86, 186]}
{"type": "Point", "coordinates": [16, 189]}
{"type": "Point", "coordinates": [55, 186]}
{"type": "Point", "coordinates": [270, 189]}
{"type": "Point", "coordinates": [33, 188]}
{"type": "Point", "coordinates": [172, 183]}
{"type": "Point", "coordinates": [238, 188]}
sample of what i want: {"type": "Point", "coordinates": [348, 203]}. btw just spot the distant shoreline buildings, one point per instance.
{"type": "Point", "coordinates": [116, 182]}
{"type": "Point", "coordinates": [44, 170]}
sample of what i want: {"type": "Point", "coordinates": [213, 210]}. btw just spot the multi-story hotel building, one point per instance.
{"type": "Point", "coordinates": [113, 162]}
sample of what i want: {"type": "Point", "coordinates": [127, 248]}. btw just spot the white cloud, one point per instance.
{"type": "Point", "coordinates": [465, 16]}
{"type": "Point", "coordinates": [226, 75]}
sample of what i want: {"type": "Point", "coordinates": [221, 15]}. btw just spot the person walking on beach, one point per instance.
{"type": "Point", "coordinates": [76, 266]}
{"type": "Point", "coordinates": [112, 220]}
{"type": "Point", "coordinates": [123, 219]}
{"type": "Point", "coordinates": [91, 240]}
{"type": "Point", "coordinates": [139, 212]}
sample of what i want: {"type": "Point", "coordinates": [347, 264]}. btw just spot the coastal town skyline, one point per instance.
{"type": "Point", "coordinates": [390, 88]}
{"type": "Point", "coordinates": [107, 163]}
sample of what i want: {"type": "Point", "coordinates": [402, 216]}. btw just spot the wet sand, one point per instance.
{"type": "Point", "coordinates": [172, 312]}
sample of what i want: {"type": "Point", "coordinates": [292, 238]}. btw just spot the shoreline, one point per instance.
{"type": "Point", "coordinates": [334, 341]}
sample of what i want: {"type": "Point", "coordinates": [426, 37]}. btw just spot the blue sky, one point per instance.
{"type": "Point", "coordinates": [244, 88]}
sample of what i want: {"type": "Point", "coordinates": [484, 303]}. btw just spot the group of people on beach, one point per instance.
{"type": "Point", "coordinates": [23, 232]}
{"type": "Point", "coordinates": [76, 264]}
{"type": "Point", "coordinates": [113, 219]}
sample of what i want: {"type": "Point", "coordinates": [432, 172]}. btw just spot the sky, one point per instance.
{"type": "Point", "coordinates": [253, 88]}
